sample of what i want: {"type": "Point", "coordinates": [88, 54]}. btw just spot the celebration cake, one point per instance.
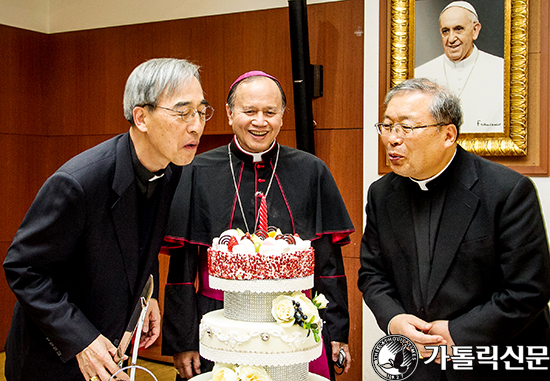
{"type": "Point", "coordinates": [268, 330]}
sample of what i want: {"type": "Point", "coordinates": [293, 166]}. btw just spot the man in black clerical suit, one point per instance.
{"type": "Point", "coordinates": [301, 196]}
{"type": "Point", "coordinates": [92, 235]}
{"type": "Point", "coordinates": [454, 251]}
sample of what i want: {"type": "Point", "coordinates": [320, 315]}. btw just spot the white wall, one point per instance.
{"type": "Point", "coordinates": [52, 16]}
{"type": "Point", "coordinates": [371, 332]}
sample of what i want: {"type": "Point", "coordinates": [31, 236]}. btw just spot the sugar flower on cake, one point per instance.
{"type": "Point", "coordinates": [253, 373]}
{"type": "Point", "coordinates": [224, 372]}
{"type": "Point", "coordinates": [283, 310]}
{"type": "Point", "coordinates": [298, 309]}
{"type": "Point", "coordinates": [308, 310]}
{"type": "Point", "coordinates": [229, 372]}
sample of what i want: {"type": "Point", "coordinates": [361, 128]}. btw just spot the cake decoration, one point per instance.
{"type": "Point", "coordinates": [262, 255]}
{"type": "Point", "coordinates": [298, 309]}
{"type": "Point", "coordinates": [268, 330]}
{"type": "Point", "coordinates": [230, 372]}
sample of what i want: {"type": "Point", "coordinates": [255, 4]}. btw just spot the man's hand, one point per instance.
{"type": "Point", "coordinates": [97, 360]}
{"type": "Point", "coordinates": [151, 325]}
{"type": "Point", "coordinates": [418, 331]}
{"type": "Point", "coordinates": [336, 346]}
{"type": "Point", "coordinates": [441, 328]}
{"type": "Point", "coordinates": [187, 364]}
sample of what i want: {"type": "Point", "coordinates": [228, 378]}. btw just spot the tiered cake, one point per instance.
{"type": "Point", "coordinates": [268, 328]}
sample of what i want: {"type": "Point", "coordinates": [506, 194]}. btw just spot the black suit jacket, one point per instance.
{"type": "Point", "coordinates": [74, 263]}
{"type": "Point", "coordinates": [490, 274]}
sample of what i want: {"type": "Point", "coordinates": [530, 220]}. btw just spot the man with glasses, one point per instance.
{"type": "Point", "coordinates": [90, 239]}
{"type": "Point", "coordinates": [454, 251]}
{"type": "Point", "coordinates": [301, 196]}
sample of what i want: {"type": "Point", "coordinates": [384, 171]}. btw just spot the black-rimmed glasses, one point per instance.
{"type": "Point", "coordinates": [188, 113]}
{"type": "Point", "coordinates": [400, 129]}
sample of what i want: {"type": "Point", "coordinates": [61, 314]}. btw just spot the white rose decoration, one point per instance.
{"type": "Point", "coordinates": [253, 373]}
{"type": "Point", "coordinates": [320, 301]}
{"type": "Point", "coordinates": [224, 372]}
{"type": "Point", "coordinates": [308, 308]}
{"type": "Point", "coordinates": [283, 310]}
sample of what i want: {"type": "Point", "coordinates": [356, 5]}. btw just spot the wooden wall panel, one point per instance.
{"type": "Point", "coordinates": [88, 69]}
{"type": "Point", "coordinates": [20, 157]}
{"type": "Point", "coordinates": [355, 299]}
{"type": "Point", "coordinates": [336, 42]}
{"type": "Point", "coordinates": [342, 151]}
{"type": "Point", "coordinates": [87, 81]}
{"type": "Point", "coordinates": [22, 82]}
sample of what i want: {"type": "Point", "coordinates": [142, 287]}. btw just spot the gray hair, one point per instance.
{"type": "Point", "coordinates": [445, 106]}
{"type": "Point", "coordinates": [153, 78]}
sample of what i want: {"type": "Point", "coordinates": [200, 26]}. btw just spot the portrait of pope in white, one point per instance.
{"type": "Point", "coordinates": [474, 75]}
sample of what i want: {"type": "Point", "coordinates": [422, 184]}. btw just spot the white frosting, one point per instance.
{"type": "Point", "coordinates": [270, 245]}
{"type": "Point", "coordinates": [274, 246]}
{"type": "Point", "coordinates": [249, 343]}
{"type": "Point", "coordinates": [245, 246]}
{"type": "Point", "coordinates": [261, 285]}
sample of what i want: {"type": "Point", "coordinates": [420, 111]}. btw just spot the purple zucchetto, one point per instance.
{"type": "Point", "coordinates": [253, 73]}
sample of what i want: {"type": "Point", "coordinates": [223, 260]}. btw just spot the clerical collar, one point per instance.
{"type": "Point", "coordinates": [253, 157]}
{"type": "Point", "coordinates": [143, 175]}
{"type": "Point", "coordinates": [466, 62]}
{"type": "Point", "coordinates": [423, 183]}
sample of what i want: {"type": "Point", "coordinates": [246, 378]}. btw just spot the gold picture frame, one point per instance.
{"type": "Point", "coordinates": [511, 142]}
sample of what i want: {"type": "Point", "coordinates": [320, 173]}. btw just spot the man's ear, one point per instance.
{"type": "Point", "coordinates": [140, 115]}
{"type": "Point", "coordinates": [229, 114]}
{"type": "Point", "coordinates": [451, 134]}
{"type": "Point", "coordinates": [477, 29]}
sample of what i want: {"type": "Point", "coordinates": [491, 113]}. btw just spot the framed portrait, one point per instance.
{"type": "Point", "coordinates": [491, 79]}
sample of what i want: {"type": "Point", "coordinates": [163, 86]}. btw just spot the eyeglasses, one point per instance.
{"type": "Point", "coordinates": [400, 129]}
{"type": "Point", "coordinates": [188, 113]}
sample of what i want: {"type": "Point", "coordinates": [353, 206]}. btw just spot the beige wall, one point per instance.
{"type": "Point", "coordinates": [52, 16]}
{"type": "Point", "coordinates": [26, 14]}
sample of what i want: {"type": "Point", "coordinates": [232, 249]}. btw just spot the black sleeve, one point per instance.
{"type": "Point", "coordinates": [330, 280]}
{"type": "Point", "coordinates": [41, 249]}
{"type": "Point", "coordinates": [180, 327]}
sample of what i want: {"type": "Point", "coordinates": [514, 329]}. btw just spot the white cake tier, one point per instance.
{"type": "Point", "coordinates": [208, 377]}
{"type": "Point", "coordinates": [251, 343]}
{"type": "Point", "coordinates": [261, 285]}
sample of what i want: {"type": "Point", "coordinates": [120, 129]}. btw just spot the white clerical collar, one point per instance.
{"type": "Point", "coordinates": [256, 156]}
{"type": "Point", "coordinates": [156, 177]}
{"type": "Point", "coordinates": [422, 183]}
{"type": "Point", "coordinates": [465, 63]}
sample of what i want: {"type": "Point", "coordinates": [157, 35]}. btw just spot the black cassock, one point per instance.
{"type": "Point", "coordinates": [302, 198]}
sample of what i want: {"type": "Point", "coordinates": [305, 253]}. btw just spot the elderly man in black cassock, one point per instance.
{"type": "Point", "coordinates": [221, 189]}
